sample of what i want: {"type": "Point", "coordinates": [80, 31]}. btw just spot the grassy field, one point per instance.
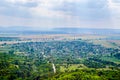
{"type": "Point", "coordinates": [3, 49]}
{"type": "Point", "coordinates": [104, 43]}
{"type": "Point", "coordinates": [70, 67]}
{"type": "Point", "coordinates": [111, 59]}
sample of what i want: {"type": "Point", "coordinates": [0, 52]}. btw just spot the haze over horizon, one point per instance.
{"type": "Point", "coordinates": [42, 14]}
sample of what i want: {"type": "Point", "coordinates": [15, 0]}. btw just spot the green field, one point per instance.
{"type": "Point", "coordinates": [111, 59]}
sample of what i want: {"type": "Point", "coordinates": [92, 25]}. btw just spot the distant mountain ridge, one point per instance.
{"type": "Point", "coordinates": [89, 30]}
{"type": "Point", "coordinates": [31, 30]}
{"type": "Point", "coordinates": [15, 28]}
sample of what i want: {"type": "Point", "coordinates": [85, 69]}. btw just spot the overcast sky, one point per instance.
{"type": "Point", "coordinates": [60, 13]}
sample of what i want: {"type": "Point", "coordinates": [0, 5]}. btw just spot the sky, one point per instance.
{"type": "Point", "coordinates": [39, 14]}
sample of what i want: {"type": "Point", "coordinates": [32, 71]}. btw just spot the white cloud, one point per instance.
{"type": "Point", "coordinates": [20, 1]}
{"type": "Point", "coordinates": [37, 23]}
{"type": "Point", "coordinates": [46, 3]}
{"type": "Point", "coordinates": [44, 8]}
{"type": "Point", "coordinates": [115, 6]}
{"type": "Point", "coordinates": [44, 13]}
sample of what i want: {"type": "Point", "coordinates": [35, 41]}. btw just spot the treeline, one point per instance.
{"type": "Point", "coordinates": [88, 74]}
{"type": "Point", "coordinates": [103, 62]}
{"type": "Point", "coordinates": [9, 39]}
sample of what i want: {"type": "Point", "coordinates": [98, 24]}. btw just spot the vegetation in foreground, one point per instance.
{"type": "Point", "coordinates": [74, 60]}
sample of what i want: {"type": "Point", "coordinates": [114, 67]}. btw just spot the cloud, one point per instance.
{"type": "Point", "coordinates": [84, 9]}
{"type": "Point", "coordinates": [114, 5]}
{"type": "Point", "coordinates": [19, 1]}
{"type": "Point", "coordinates": [61, 12]}
{"type": "Point", "coordinates": [90, 10]}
